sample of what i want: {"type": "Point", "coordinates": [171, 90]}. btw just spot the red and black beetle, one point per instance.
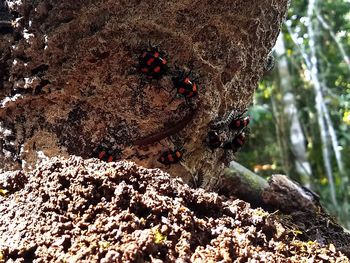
{"type": "Point", "coordinates": [236, 143]}
{"type": "Point", "coordinates": [152, 63]}
{"type": "Point", "coordinates": [107, 155]}
{"type": "Point", "coordinates": [104, 156]}
{"type": "Point", "coordinates": [235, 121]}
{"type": "Point", "coordinates": [239, 123]}
{"type": "Point", "coordinates": [169, 157]}
{"type": "Point", "coordinates": [213, 140]}
{"type": "Point", "coordinates": [185, 86]}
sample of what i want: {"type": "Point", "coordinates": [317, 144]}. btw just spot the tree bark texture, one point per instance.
{"type": "Point", "coordinates": [69, 69]}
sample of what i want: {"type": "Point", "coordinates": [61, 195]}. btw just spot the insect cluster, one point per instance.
{"type": "Point", "coordinates": [229, 133]}
{"type": "Point", "coordinates": [153, 65]}
{"type": "Point", "coordinates": [236, 123]}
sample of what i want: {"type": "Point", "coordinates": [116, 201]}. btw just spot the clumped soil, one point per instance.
{"type": "Point", "coordinates": [80, 210]}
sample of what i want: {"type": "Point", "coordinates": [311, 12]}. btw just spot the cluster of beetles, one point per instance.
{"type": "Point", "coordinates": [236, 123]}
{"type": "Point", "coordinates": [153, 65]}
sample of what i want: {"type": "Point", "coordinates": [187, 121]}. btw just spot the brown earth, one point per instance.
{"type": "Point", "coordinates": [80, 210]}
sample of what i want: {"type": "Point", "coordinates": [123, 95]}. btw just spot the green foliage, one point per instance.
{"type": "Point", "coordinates": [262, 120]}
{"type": "Point", "coordinates": [268, 129]}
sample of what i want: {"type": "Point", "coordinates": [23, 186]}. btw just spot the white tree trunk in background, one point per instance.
{"type": "Point", "coordinates": [297, 138]}
{"type": "Point", "coordinates": [319, 100]}
{"type": "Point", "coordinates": [326, 26]}
{"type": "Point", "coordinates": [311, 62]}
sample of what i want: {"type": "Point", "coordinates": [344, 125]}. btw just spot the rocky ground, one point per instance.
{"type": "Point", "coordinates": [76, 210]}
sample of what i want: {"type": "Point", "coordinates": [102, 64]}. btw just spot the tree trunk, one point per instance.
{"type": "Point", "coordinates": [319, 100]}
{"type": "Point", "coordinates": [75, 65]}
{"type": "Point", "coordinates": [295, 136]}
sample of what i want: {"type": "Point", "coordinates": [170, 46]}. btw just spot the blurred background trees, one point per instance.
{"type": "Point", "coordinates": [301, 115]}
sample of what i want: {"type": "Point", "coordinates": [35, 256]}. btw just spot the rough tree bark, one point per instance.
{"type": "Point", "coordinates": [72, 62]}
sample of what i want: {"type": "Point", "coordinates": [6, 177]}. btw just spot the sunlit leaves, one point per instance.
{"type": "Point", "coordinates": [333, 73]}
{"type": "Point", "coordinates": [346, 117]}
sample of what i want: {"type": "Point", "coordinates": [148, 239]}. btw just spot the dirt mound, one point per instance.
{"type": "Point", "coordinates": [79, 210]}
